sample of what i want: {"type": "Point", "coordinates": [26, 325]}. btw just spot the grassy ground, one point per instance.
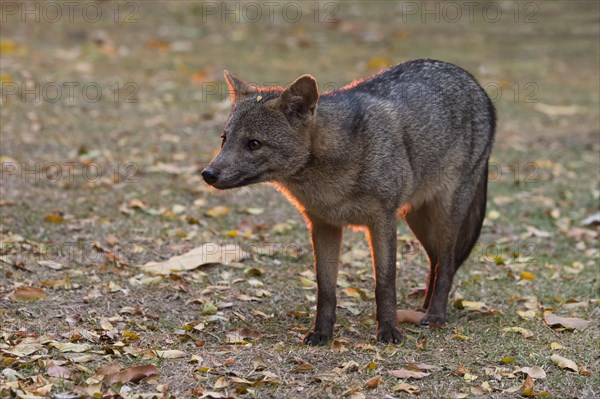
{"type": "Point", "coordinates": [101, 186]}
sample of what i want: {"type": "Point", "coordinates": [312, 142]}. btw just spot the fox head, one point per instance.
{"type": "Point", "coordinates": [267, 136]}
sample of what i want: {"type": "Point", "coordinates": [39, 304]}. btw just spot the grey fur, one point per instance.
{"type": "Point", "coordinates": [415, 138]}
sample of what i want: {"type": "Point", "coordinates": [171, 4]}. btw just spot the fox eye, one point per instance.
{"type": "Point", "coordinates": [254, 145]}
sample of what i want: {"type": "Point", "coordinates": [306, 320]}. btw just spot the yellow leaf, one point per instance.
{"type": "Point", "coordinates": [526, 314]}
{"type": "Point", "coordinates": [53, 218]}
{"type": "Point", "coordinates": [526, 333]}
{"type": "Point", "coordinates": [217, 212]}
{"type": "Point", "coordinates": [378, 63]}
{"type": "Point", "coordinates": [282, 228]}
{"type": "Point", "coordinates": [232, 233]}
{"type": "Point", "coordinates": [493, 215]}
{"type": "Point", "coordinates": [460, 336]}
{"type": "Point", "coordinates": [307, 283]}
{"type": "Point", "coordinates": [527, 276]}
{"type": "Point", "coordinates": [5, 78]}
{"type": "Point", "coordinates": [556, 346]}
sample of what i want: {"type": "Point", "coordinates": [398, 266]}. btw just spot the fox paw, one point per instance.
{"type": "Point", "coordinates": [315, 338]}
{"type": "Point", "coordinates": [431, 319]}
{"type": "Point", "coordinates": [389, 335]}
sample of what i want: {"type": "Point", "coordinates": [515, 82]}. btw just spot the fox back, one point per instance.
{"type": "Point", "coordinates": [399, 137]}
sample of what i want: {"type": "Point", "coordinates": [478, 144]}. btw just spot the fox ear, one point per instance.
{"type": "Point", "coordinates": [238, 88]}
{"type": "Point", "coordinates": [299, 101]}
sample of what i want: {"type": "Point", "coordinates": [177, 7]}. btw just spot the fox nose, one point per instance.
{"type": "Point", "coordinates": [210, 175]}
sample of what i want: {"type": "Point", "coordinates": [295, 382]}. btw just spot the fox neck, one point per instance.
{"type": "Point", "coordinates": [332, 150]}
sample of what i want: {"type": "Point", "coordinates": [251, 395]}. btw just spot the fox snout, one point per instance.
{"type": "Point", "coordinates": [210, 175]}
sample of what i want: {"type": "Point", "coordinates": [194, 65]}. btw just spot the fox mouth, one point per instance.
{"type": "Point", "coordinates": [236, 181]}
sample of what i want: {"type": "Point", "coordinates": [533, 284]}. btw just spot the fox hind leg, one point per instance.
{"type": "Point", "coordinates": [448, 231]}
{"type": "Point", "coordinates": [422, 225]}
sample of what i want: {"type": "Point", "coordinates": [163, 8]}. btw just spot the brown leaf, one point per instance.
{"type": "Point", "coordinates": [571, 323]}
{"type": "Point", "coordinates": [423, 367]}
{"type": "Point", "coordinates": [303, 368]}
{"type": "Point", "coordinates": [58, 372]}
{"type": "Point", "coordinates": [404, 373]}
{"type": "Point", "coordinates": [221, 383]}
{"type": "Point", "coordinates": [107, 370]}
{"type": "Point", "coordinates": [409, 316]}
{"type": "Point", "coordinates": [405, 387]}
{"type": "Point", "coordinates": [73, 319]}
{"type": "Point", "coordinates": [337, 346]}
{"type": "Point", "coordinates": [527, 387]}
{"type": "Point", "coordinates": [134, 374]}
{"type": "Point", "coordinates": [240, 334]}
{"type": "Point", "coordinates": [27, 294]}
{"type": "Point", "coordinates": [373, 382]}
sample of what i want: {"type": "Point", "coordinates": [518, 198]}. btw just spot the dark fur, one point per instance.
{"type": "Point", "coordinates": [415, 138]}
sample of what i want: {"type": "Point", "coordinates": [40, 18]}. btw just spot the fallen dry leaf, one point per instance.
{"type": "Point", "coordinates": [473, 306]}
{"type": "Point", "coordinates": [27, 294]}
{"type": "Point", "coordinates": [107, 370]}
{"type": "Point", "coordinates": [221, 383]}
{"type": "Point", "coordinates": [526, 333]}
{"type": "Point", "coordinates": [423, 367]}
{"type": "Point", "coordinates": [24, 348]}
{"type": "Point", "coordinates": [58, 372]}
{"type": "Point", "coordinates": [556, 110]}
{"type": "Point", "coordinates": [133, 374]}
{"type": "Point", "coordinates": [526, 314]}
{"type": "Point", "coordinates": [373, 383]}
{"type": "Point", "coordinates": [170, 354]}
{"type": "Point", "coordinates": [535, 372]}
{"type": "Point", "coordinates": [241, 334]}
{"type": "Point", "coordinates": [217, 212]}
{"type": "Point", "coordinates": [209, 253]}
{"type": "Point", "coordinates": [564, 363]}
{"type": "Point", "coordinates": [405, 373]}
{"type": "Point", "coordinates": [338, 346]}
{"type": "Point", "coordinates": [303, 368]}
{"type": "Point", "coordinates": [409, 316]}
{"type": "Point", "coordinates": [570, 323]}
{"type": "Point", "coordinates": [556, 345]}
{"type": "Point", "coordinates": [50, 264]}
{"type": "Point", "coordinates": [405, 387]}
{"type": "Point", "coordinates": [538, 233]}
{"type": "Point", "coordinates": [71, 347]}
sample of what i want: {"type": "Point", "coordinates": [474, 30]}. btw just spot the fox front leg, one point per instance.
{"type": "Point", "coordinates": [326, 241]}
{"type": "Point", "coordinates": [382, 239]}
